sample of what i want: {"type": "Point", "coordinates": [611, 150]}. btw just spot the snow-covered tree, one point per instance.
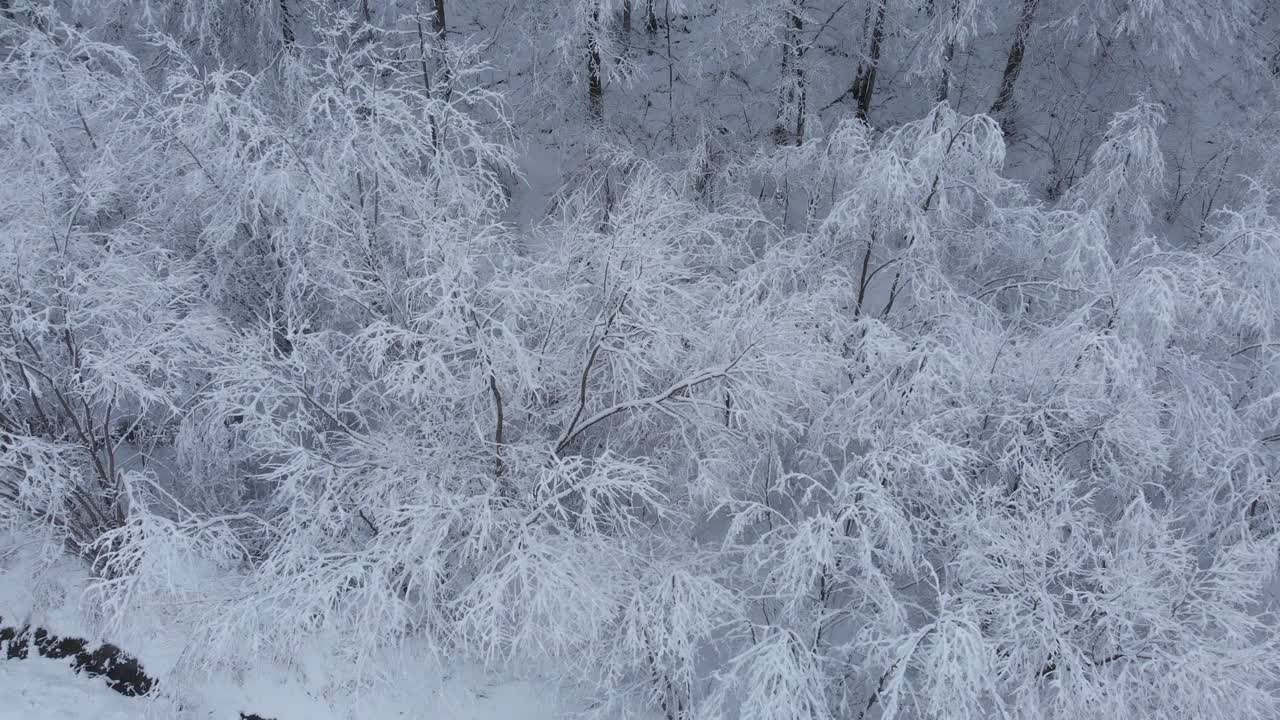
{"type": "Point", "coordinates": [855, 424]}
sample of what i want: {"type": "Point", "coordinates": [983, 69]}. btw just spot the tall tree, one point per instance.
{"type": "Point", "coordinates": [440, 27]}
{"type": "Point", "coordinates": [595, 69]}
{"type": "Point", "coordinates": [864, 81]}
{"type": "Point", "coordinates": [792, 91]}
{"type": "Point", "coordinates": [286, 24]}
{"type": "Point", "coordinates": [438, 19]}
{"type": "Point", "coordinates": [1013, 64]}
{"type": "Point", "coordinates": [948, 47]}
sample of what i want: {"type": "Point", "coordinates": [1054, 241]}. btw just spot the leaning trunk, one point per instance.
{"type": "Point", "coordinates": [286, 24]}
{"type": "Point", "coordinates": [1013, 66]}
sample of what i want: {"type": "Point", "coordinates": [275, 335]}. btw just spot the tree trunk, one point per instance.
{"type": "Point", "coordinates": [426, 83]}
{"type": "Point", "coordinates": [626, 17]}
{"type": "Point", "coordinates": [948, 53]}
{"type": "Point", "coordinates": [864, 82]}
{"type": "Point", "coordinates": [286, 24]}
{"type": "Point", "coordinates": [650, 18]}
{"type": "Point", "coordinates": [944, 81]}
{"type": "Point", "coordinates": [1004, 99]}
{"type": "Point", "coordinates": [442, 44]}
{"type": "Point", "coordinates": [792, 96]}
{"type": "Point", "coordinates": [671, 73]}
{"type": "Point", "coordinates": [595, 82]}
{"type": "Point", "coordinates": [439, 20]}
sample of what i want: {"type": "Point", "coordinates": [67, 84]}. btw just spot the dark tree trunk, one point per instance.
{"type": "Point", "coordinates": [626, 17]}
{"type": "Point", "coordinates": [948, 53]}
{"type": "Point", "coordinates": [864, 83]}
{"type": "Point", "coordinates": [442, 44]}
{"type": "Point", "coordinates": [1004, 99]}
{"type": "Point", "coordinates": [595, 81]}
{"type": "Point", "coordinates": [671, 72]}
{"type": "Point", "coordinates": [286, 24]}
{"type": "Point", "coordinates": [944, 81]}
{"type": "Point", "coordinates": [650, 18]}
{"type": "Point", "coordinates": [439, 48]}
{"type": "Point", "coordinates": [439, 19]}
{"type": "Point", "coordinates": [792, 98]}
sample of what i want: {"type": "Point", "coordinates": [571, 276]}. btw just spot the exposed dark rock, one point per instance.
{"type": "Point", "coordinates": [123, 672]}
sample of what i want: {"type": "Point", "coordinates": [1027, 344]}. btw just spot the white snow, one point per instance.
{"type": "Point", "coordinates": [40, 593]}
{"type": "Point", "coordinates": [382, 374]}
{"type": "Point", "coordinates": [42, 689]}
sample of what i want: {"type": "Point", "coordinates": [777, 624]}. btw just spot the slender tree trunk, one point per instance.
{"type": "Point", "coordinates": [286, 24]}
{"type": "Point", "coordinates": [948, 53]}
{"type": "Point", "coordinates": [1004, 99]}
{"type": "Point", "coordinates": [650, 18]}
{"type": "Point", "coordinates": [442, 43]}
{"type": "Point", "coordinates": [595, 82]}
{"type": "Point", "coordinates": [797, 26]}
{"type": "Point", "coordinates": [439, 20]}
{"type": "Point", "coordinates": [626, 17]}
{"type": "Point", "coordinates": [426, 83]}
{"type": "Point", "coordinates": [791, 103]}
{"type": "Point", "coordinates": [671, 74]}
{"type": "Point", "coordinates": [944, 81]}
{"type": "Point", "coordinates": [864, 82]}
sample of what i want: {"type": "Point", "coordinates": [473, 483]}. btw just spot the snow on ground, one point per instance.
{"type": "Point", "coordinates": [49, 592]}
{"type": "Point", "coordinates": [43, 689]}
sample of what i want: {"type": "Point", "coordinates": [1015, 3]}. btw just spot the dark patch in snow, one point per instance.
{"type": "Point", "coordinates": [124, 673]}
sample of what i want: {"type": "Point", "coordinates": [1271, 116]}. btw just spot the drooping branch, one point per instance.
{"type": "Point", "coordinates": [570, 429]}
{"type": "Point", "coordinates": [675, 390]}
